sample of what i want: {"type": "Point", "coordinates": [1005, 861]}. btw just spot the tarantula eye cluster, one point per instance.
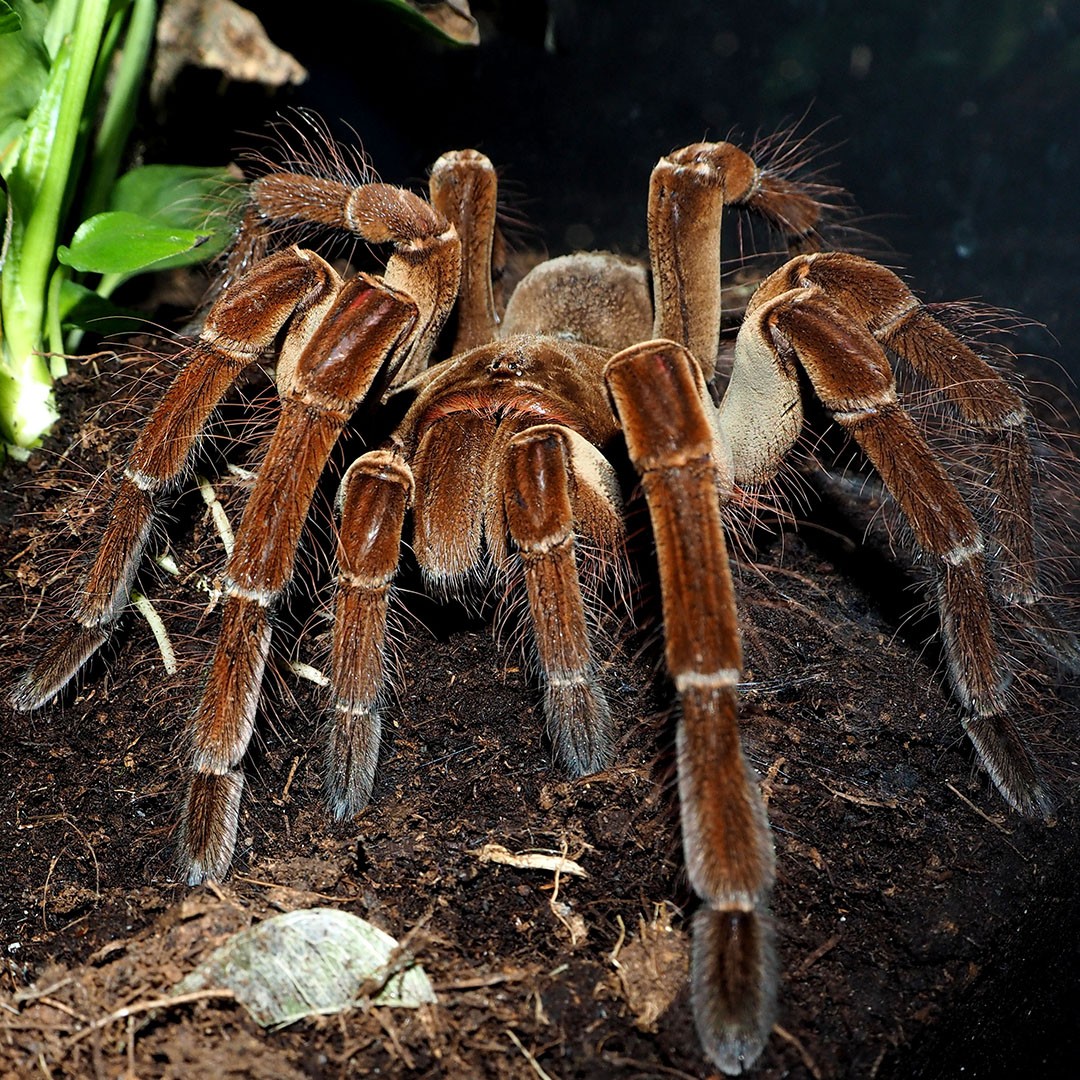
{"type": "Point", "coordinates": [502, 455]}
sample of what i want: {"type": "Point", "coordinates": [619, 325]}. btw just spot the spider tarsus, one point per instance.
{"type": "Point", "coordinates": [62, 661]}
{"type": "Point", "coordinates": [1011, 767]}
{"type": "Point", "coordinates": [579, 725]}
{"type": "Point", "coordinates": [210, 818]}
{"type": "Point", "coordinates": [352, 756]}
{"type": "Point", "coordinates": [733, 985]}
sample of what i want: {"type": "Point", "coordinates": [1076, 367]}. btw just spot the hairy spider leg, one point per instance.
{"type": "Point", "coordinates": [852, 377]}
{"type": "Point", "coordinates": [375, 493]}
{"type": "Point", "coordinates": [661, 399]}
{"type": "Point", "coordinates": [464, 189]}
{"type": "Point", "coordinates": [557, 487]}
{"type": "Point", "coordinates": [984, 401]}
{"type": "Point", "coordinates": [425, 259]}
{"type": "Point", "coordinates": [660, 393]}
{"type": "Point", "coordinates": [360, 336]}
{"type": "Point", "coordinates": [294, 288]}
{"type": "Point", "coordinates": [465, 437]}
{"type": "Point", "coordinates": [688, 192]}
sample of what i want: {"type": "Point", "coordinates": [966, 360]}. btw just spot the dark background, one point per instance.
{"type": "Point", "coordinates": [953, 124]}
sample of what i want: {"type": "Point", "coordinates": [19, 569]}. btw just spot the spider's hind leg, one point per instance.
{"type": "Point", "coordinates": [835, 340]}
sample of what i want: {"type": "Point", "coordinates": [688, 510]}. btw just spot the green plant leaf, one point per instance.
{"type": "Point", "coordinates": [186, 196]}
{"type": "Point", "coordinates": [9, 18]}
{"type": "Point", "coordinates": [118, 242]}
{"type": "Point", "coordinates": [24, 70]}
{"type": "Point", "coordinates": [81, 308]}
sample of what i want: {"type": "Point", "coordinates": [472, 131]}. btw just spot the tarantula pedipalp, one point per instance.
{"type": "Point", "coordinates": [505, 453]}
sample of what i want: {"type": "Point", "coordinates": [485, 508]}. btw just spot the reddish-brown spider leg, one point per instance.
{"type": "Point", "coordinates": [880, 301]}
{"type": "Point", "coordinates": [556, 486]}
{"type": "Point", "coordinates": [464, 189]}
{"type": "Point", "coordinates": [851, 375]}
{"type": "Point", "coordinates": [687, 195]}
{"type": "Point", "coordinates": [374, 495]}
{"type": "Point", "coordinates": [293, 287]}
{"type": "Point", "coordinates": [425, 262]}
{"type": "Point", "coordinates": [984, 401]}
{"type": "Point", "coordinates": [660, 397]}
{"type": "Point", "coordinates": [358, 339]}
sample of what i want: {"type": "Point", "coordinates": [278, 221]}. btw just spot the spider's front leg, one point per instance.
{"type": "Point", "coordinates": [662, 401]}
{"type": "Point", "coordinates": [293, 287]}
{"type": "Point", "coordinates": [364, 330]}
{"type": "Point", "coordinates": [686, 467]}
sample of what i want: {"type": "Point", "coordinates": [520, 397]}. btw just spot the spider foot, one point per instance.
{"type": "Point", "coordinates": [211, 815]}
{"type": "Point", "coordinates": [733, 986]}
{"type": "Point", "coordinates": [61, 662]}
{"type": "Point", "coordinates": [352, 755]}
{"type": "Point", "coordinates": [579, 723]}
{"type": "Point", "coordinates": [1005, 757]}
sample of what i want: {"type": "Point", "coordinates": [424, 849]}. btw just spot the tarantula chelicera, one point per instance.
{"type": "Point", "coordinates": [504, 453]}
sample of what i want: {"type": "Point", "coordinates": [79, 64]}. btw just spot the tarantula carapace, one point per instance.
{"type": "Point", "coordinates": [505, 456]}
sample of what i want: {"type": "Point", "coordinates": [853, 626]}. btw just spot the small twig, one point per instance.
{"type": "Point", "coordinates": [478, 982]}
{"type": "Point", "coordinates": [613, 956]}
{"type": "Point", "coordinates": [971, 806]}
{"type": "Point", "coordinates": [61, 1007]}
{"type": "Point", "coordinates": [530, 860]}
{"type": "Point", "coordinates": [24, 997]}
{"type": "Point", "coordinates": [387, 1024]}
{"type": "Point", "coordinates": [807, 1060]}
{"type": "Point", "coordinates": [150, 1006]}
{"type": "Point", "coordinates": [536, 1066]}
{"type": "Point", "coordinates": [217, 512]}
{"type": "Point", "coordinates": [861, 800]}
{"type": "Point", "coordinates": [289, 779]}
{"type": "Point", "coordinates": [289, 888]}
{"type": "Point", "coordinates": [817, 954]}
{"type": "Point", "coordinates": [157, 628]}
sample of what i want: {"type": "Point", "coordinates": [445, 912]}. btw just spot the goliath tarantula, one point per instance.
{"type": "Point", "coordinates": [505, 454]}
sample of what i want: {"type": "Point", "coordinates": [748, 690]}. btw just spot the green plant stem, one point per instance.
{"type": "Point", "coordinates": [25, 387]}
{"type": "Point", "coordinates": [116, 124]}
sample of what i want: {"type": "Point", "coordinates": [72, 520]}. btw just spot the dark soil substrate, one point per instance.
{"type": "Point", "coordinates": [922, 928]}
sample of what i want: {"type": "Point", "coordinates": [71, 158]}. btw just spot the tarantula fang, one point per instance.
{"type": "Point", "coordinates": [505, 456]}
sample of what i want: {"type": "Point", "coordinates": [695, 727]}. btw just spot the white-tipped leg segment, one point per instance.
{"type": "Point", "coordinates": [374, 496]}
{"type": "Point", "coordinates": [656, 388]}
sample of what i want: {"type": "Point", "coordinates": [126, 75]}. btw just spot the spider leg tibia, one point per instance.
{"type": "Point", "coordinates": [661, 402]}
{"type": "Point", "coordinates": [374, 495]}
{"type": "Point", "coordinates": [539, 472]}
{"type": "Point", "coordinates": [358, 337]}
